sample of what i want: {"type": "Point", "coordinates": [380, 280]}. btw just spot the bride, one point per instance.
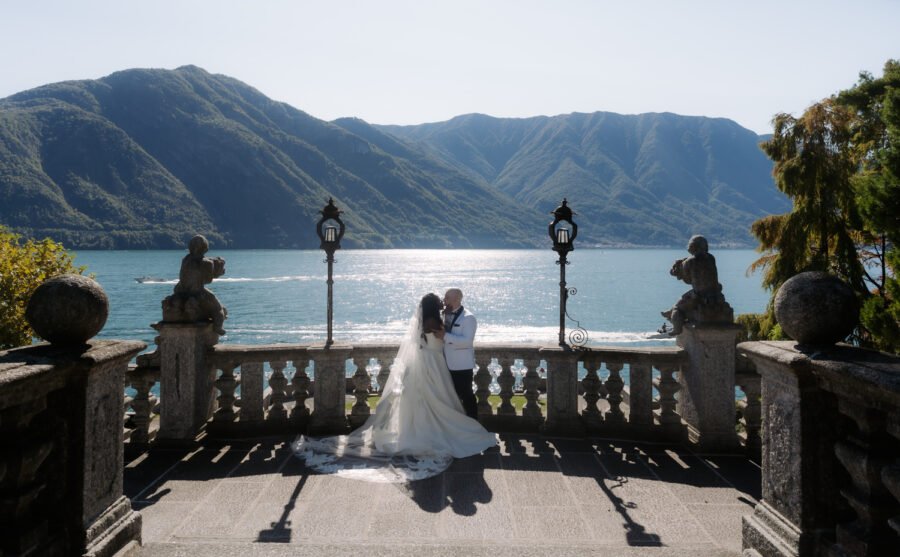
{"type": "Point", "coordinates": [419, 425]}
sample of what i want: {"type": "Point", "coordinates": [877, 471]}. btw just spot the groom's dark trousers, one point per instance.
{"type": "Point", "coordinates": [462, 384]}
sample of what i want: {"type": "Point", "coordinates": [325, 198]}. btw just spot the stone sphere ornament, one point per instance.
{"type": "Point", "coordinates": [816, 309]}
{"type": "Point", "coordinates": [68, 309]}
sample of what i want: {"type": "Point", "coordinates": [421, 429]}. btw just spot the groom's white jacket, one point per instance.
{"type": "Point", "coordinates": [458, 344]}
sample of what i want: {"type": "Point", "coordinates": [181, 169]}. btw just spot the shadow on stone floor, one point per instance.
{"type": "Point", "coordinates": [631, 480]}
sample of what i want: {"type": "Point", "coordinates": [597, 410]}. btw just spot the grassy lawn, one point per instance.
{"type": "Point", "coordinates": [518, 401]}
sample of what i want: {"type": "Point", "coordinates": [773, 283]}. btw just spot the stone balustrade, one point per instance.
{"type": "Point", "coordinates": [533, 373]}
{"type": "Point", "coordinates": [830, 452]}
{"type": "Point", "coordinates": [61, 461]}
{"type": "Point", "coordinates": [139, 406]}
{"type": "Point", "coordinates": [259, 389]}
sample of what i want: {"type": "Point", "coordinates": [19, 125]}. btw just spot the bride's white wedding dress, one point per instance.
{"type": "Point", "coordinates": [417, 429]}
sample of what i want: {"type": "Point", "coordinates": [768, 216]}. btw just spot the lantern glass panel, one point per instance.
{"type": "Point", "coordinates": [331, 234]}
{"type": "Point", "coordinates": [562, 235]}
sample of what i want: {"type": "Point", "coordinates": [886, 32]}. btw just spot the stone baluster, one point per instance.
{"type": "Point", "coordinates": [142, 406]}
{"type": "Point", "coordinates": [667, 386]}
{"type": "Point", "coordinates": [251, 392]}
{"type": "Point", "coordinates": [226, 385]}
{"type": "Point", "coordinates": [865, 453]}
{"type": "Point", "coordinates": [614, 385]}
{"type": "Point", "coordinates": [506, 380]}
{"type": "Point", "coordinates": [300, 389]}
{"type": "Point", "coordinates": [361, 384]}
{"type": "Point", "coordinates": [640, 405]}
{"type": "Point", "coordinates": [752, 387]}
{"type": "Point", "coordinates": [532, 384]}
{"type": "Point", "coordinates": [383, 373]}
{"type": "Point", "coordinates": [591, 385]}
{"type": "Point", "coordinates": [278, 385]}
{"type": "Point", "coordinates": [483, 383]}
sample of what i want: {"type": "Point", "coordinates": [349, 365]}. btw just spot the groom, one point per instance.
{"type": "Point", "coordinates": [459, 335]}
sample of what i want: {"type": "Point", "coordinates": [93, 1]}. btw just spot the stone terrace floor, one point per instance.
{"type": "Point", "coordinates": [529, 496]}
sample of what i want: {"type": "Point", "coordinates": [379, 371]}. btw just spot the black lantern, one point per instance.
{"type": "Point", "coordinates": [563, 231]}
{"type": "Point", "coordinates": [330, 230]}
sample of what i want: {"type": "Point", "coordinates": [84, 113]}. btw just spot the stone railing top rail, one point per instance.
{"type": "Point", "coordinates": [845, 370]}
{"type": "Point", "coordinates": [224, 353]}
{"type": "Point", "coordinates": [51, 363]}
{"type": "Point", "coordinates": [637, 355]}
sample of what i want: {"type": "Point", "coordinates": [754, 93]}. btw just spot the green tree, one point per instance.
{"type": "Point", "coordinates": [813, 166]}
{"type": "Point", "coordinates": [876, 142]}
{"type": "Point", "coordinates": [840, 165]}
{"type": "Point", "coordinates": [24, 265]}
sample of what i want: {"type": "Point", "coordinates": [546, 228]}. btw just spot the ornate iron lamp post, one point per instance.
{"type": "Point", "coordinates": [563, 231]}
{"type": "Point", "coordinates": [330, 230]}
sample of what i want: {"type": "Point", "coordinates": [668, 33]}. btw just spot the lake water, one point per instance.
{"type": "Point", "coordinates": [279, 296]}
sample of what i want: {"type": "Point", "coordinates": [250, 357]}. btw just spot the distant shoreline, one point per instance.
{"type": "Point", "coordinates": [713, 247]}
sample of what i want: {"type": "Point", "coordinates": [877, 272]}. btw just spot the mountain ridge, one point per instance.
{"type": "Point", "coordinates": [145, 158]}
{"type": "Point", "coordinates": [625, 168]}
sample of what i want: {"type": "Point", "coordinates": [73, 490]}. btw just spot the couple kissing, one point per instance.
{"type": "Point", "coordinates": [457, 331]}
{"type": "Point", "coordinates": [427, 413]}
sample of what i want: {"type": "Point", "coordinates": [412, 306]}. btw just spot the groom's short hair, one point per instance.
{"type": "Point", "coordinates": [456, 291]}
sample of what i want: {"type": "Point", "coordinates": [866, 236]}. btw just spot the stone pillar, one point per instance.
{"type": "Point", "coordinates": [108, 520]}
{"type": "Point", "coordinates": [62, 462]}
{"type": "Point", "coordinates": [186, 378]}
{"type": "Point", "coordinates": [562, 393]}
{"type": "Point", "coordinates": [798, 432]}
{"type": "Point", "coordinates": [640, 402]}
{"type": "Point", "coordinates": [329, 414]}
{"type": "Point", "coordinates": [706, 398]}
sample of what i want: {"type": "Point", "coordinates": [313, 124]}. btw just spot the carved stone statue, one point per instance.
{"type": "Point", "coordinates": [704, 302]}
{"type": "Point", "coordinates": [191, 301]}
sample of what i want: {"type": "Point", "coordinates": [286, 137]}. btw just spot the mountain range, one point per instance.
{"type": "Point", "coordinates": [146, 158]}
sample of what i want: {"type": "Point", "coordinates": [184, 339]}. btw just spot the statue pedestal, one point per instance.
{"type": "Point", "coordinates": [706, 398]}
{"type": "Point", "coordinates": [186, 378]}
{"type": "Point", "coordinates": [330, 391]}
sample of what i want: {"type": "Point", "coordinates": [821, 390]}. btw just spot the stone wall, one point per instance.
{"type": "Point", "coordinates": [830, 452]}
{"type": "Point", "coordinates": [62, 460]}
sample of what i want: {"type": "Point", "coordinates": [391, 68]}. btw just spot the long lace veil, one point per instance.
{"type": "Point", "coordinates": [408, 355]}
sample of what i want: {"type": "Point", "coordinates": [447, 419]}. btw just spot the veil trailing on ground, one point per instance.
{"type": "Point", "coordinates": [384, 449]}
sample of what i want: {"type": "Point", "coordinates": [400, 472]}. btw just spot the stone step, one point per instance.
{"type": "Point", "coordinates": [401, 549]}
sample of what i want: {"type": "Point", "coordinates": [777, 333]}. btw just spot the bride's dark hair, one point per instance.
{"type": "Point", "coordinates": [431, 313]}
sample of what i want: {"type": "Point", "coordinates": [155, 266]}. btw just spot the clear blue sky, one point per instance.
{"type": "Point", "coordinates": [408, 62]}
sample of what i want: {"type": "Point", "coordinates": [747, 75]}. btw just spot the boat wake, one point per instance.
{"type": "Point", "coordinates": [220, 280]}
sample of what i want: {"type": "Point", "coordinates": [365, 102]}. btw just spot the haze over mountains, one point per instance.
{"type": "Point", "coordinates": [147, 158]}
